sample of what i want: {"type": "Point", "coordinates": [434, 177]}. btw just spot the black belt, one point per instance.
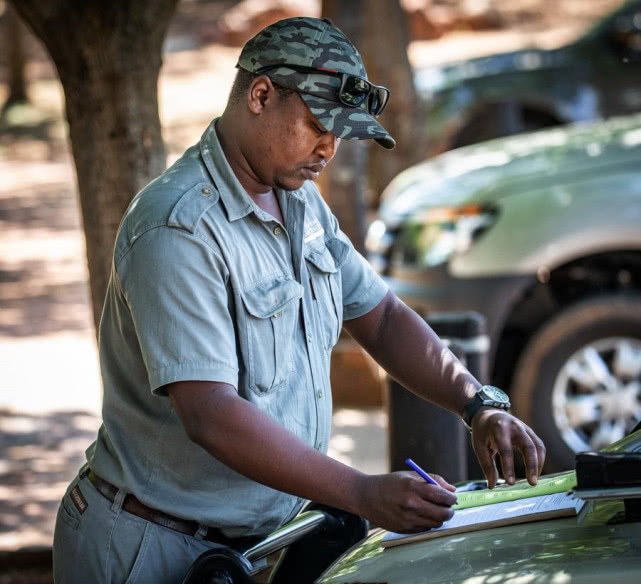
{"type": "Point", "coordinates": [132, 505]}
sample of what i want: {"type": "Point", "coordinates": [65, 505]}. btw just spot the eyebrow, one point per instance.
{"type": "Point", "coordinates": [320, 127]}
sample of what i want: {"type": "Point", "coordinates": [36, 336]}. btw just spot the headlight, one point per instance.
{"type": "Point", "coordinates": [378, 242]}
{"type": "Point", "coordinates": [431, 237]}
{"type": "Point", "coordinates": [378, 238]}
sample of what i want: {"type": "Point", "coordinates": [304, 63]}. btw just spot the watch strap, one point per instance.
{"type": "Point", "coordinates": [470, 409]}
{"type": "Point", "coordinates": [481, 399]}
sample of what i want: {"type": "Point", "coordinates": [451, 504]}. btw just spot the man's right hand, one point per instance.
{"type": "Point", "coordinates": [405, 503]}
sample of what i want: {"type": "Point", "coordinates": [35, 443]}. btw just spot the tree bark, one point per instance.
{"type": "Point", "coordinates": [345, 184]}
{"type": "Point", "coordinates": [360, 172]}
{"type": "Point", "coordinates": [14, 44]}
{"type": "Point", "coordinates": [108, 57]}
{"type": "Point", "coordinates": [384, 51]}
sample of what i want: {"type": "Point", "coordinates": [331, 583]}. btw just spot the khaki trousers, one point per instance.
{"type": "Point", "coordinates": [96, 542]}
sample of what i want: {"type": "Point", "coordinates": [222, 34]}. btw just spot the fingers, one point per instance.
{"type": "Point", "coordinates": [441, 481]}
{"type": "Point", "coordinates": [540, 449]}
{"type": "Point", "coordinates": [441, 494]}
{"type": "Point", "coordinates": [427, 514]}
{"type": "Point", "coordinates": [532, 450]}
{"type": "Point", "coordinates": [486, 460]}
{"type": "Point", "coordinates": [502, 434]}
{"type": "Point", "coordinates": [405, 503]}
{"type": "Point", "coordinates": [436, 494]}
{"type": "Point", "coordinates": [506, 456]}
{"type": "Point", "coordinates": [525, 445]}
{"type": "Point", "coordinates": [432, 505]}
{"type": "Point", "coordinates": [438, 478]}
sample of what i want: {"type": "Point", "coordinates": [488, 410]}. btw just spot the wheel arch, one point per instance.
{"type": "Point", "coordinates": [611, 272]}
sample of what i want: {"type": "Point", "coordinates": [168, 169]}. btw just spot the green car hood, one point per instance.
{"type": "Point", "coordinates": [589, 549]}
{"type": "Point", "coordinates": [485, 173]}
{"type": "Point", "coordinates": [536, 552]}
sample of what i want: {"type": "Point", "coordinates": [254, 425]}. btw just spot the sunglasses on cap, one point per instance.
{"type": "Point", "coordinates": [354, 91]}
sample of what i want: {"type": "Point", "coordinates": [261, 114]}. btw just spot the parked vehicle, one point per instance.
{"type": "Point", "coordinates": [597, 76]}
{"type": "Point", "coordinates": [602, 545]}
{"type": "Point", "coordinates": [540, 233]}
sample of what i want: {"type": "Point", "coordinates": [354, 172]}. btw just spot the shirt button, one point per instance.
{"type": "Point", "coordinates": [309, 338]}
{"type": "Point", "coordinates": [206, 192]}
{"type": "Point", "coordinates": [277, 230]}
{"type": "Point", "coordinates": [320, 395]}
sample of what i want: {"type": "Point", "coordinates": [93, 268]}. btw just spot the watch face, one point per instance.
{"type": "Point", "coordinates": [495, 394]}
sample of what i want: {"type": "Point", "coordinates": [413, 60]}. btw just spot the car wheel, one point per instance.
{"type": "Point", "coordinates": [577, 383]}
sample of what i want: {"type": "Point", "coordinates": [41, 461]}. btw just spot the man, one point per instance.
{"type": "Point", "coordinates": [231, 281]}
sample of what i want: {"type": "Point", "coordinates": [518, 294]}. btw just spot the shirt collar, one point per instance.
{"type": "Point", "coordinates": [232, 194]}
{"type": "Point", "coordinates": [237, 202]}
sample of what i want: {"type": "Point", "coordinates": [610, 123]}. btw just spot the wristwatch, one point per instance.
{"type": "Point", "coordinates": [487, 395]}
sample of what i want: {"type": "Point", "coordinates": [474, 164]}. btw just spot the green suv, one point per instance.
{"type": "Point", "coordinates": [540, 233]}
{"type": "Point", "coordinates": [597, 76]}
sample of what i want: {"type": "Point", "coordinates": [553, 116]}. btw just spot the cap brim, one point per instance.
{"type": "Point", "coordinates": [347, 123]}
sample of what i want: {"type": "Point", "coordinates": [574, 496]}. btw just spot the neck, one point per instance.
{"type": "Point", "coordinates": [229, 137]}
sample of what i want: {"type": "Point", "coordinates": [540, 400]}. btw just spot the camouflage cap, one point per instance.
{"type": "Point", "coordinates": [318, 44]}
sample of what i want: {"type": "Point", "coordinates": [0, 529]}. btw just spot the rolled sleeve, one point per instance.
{"type": "Point", "coordinates": [175, 286]}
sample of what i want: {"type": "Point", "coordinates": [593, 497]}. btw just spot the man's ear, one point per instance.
{"type": "Point", "coordinates": [261, 91]}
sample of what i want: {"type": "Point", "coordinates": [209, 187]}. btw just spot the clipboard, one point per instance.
{"type": "Point", "coordinates": [547, 485]}
{"type": "Point", "coordinates": [495, 515]}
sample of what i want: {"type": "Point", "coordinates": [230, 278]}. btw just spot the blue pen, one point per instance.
{"type": "Point", "coordinates": [409, 462]}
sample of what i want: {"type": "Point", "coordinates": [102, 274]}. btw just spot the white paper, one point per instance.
{"type": "Point", "coordinates": [504, 513]}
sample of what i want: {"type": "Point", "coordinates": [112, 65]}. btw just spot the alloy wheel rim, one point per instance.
{"type": "Point", "coordinates": [596, 397]}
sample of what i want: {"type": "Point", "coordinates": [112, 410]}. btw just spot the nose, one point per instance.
{"type": "Point", "coordinates": [327, 146]}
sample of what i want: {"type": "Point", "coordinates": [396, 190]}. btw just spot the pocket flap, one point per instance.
{"type": "Point", "coordinates": [329, 257]}
{"type": "Point", "coordinates": [270, 297]}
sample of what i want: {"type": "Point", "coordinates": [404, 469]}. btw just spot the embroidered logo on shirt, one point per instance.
{"type": "Point", "coordinates": [78, 499]}
{"type": "Point", "coordinates": [313, 229]}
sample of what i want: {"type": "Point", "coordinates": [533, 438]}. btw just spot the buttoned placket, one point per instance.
{"type": "Point", "coordinates": [294, 210]}
{"type": "Point", "coordinates": [315, 352]}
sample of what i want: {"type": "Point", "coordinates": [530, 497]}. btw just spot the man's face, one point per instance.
{"type": "Point", "coordinates": [292, 146]}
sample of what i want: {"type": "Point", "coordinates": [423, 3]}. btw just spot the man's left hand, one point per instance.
{"type": "Point", "coordinates": [498, 432]}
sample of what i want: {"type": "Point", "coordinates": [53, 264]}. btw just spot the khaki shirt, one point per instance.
{"type": "Point", "coordinates": [207, 286]}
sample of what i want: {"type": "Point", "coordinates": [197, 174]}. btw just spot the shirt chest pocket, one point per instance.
{"type": "Point", "coordinates": [270, 318]}
{"type": "Point", "coordinates": [323, 263]}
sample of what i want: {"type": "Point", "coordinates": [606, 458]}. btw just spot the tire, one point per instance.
{"type": "Point", "coordinates": [560, 388]}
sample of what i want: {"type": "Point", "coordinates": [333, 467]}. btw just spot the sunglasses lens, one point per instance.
{"type": "Point", "coordinates": [378, 100]}
{"type": "Point", "coordinates": [354, 91]}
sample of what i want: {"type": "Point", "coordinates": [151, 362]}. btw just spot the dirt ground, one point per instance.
{"type": "Point", "coordinates": [49, 381]}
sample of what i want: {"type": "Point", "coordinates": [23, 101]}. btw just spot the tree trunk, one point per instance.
{"type": "Point", "coordinates": [108, 57]}
{"type": "Point", "coordinates": [360, 172]}
{"type": "Point", "coordinates": [345, 184]}
{"type": "Point", "coordinates": [384, 51]}
{"type": "Point", "coordinates": [14, 45]}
